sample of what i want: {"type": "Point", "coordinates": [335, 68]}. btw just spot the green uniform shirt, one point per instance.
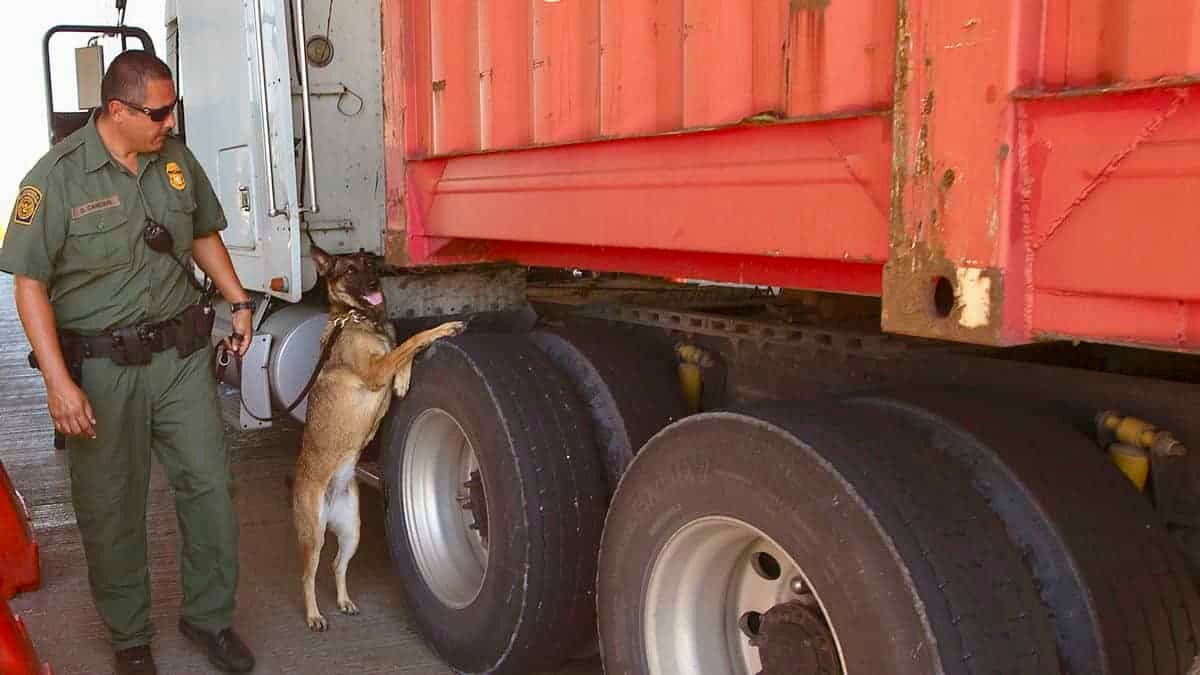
{"type": "Point", "coordinates": [77, 227]}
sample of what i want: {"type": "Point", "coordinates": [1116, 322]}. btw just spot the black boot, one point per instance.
{"type": "Point", "coordinates": [135, 661]}
{"type": "Point", "coordinates": [225, 649]}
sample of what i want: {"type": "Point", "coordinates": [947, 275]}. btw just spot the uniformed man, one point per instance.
{"type": "Point", "coordinates": [101, 287]}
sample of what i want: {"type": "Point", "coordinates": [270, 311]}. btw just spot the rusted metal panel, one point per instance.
{"type": "Point", "coordinates": [840, 55]}
{"type": "Point", "coordinates": [1041, 212]}
{"type": "Point", "coordinates": [954, 168]}
{"type": "Point", "coordinates": [408, 67]}
{"type": "Point", "coordinates": [769, 86]}
{"type": "Point", "coordinates": [400, 131]}
{"type": "Point", "coordinates": [1034, 179]}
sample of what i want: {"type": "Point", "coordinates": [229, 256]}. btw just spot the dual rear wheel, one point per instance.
{"type": "Point", "coordinates": [935, 533]}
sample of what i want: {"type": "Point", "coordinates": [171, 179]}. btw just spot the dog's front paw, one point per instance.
{"type": "Point", "coordinates": [452, 328]}
{"type": "Point", "coordinates": [348, 607]}
{"type": "Point", "coordinates": [317, 623]}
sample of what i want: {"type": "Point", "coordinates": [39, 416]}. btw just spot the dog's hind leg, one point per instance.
{"type": "Point", "coordinates": [309, 512]}
{"type": "Point", "coordinates": [345, 523]}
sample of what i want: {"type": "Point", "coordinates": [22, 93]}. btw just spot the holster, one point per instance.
{"type": "Point", "coordinates": [195, 329]}
{"type": "Point", "coordinates": [188, 333]}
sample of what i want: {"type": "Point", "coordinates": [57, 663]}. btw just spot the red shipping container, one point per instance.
{"type": "Point", "coordinates": [1033, 161]}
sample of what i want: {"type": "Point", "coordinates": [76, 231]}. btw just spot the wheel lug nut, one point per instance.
{"type": "Point", "coordinates": [797, 585]}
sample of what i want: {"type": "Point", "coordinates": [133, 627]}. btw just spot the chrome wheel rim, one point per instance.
{"type": "Point", "coordinates": [439, 513]}
{"type": "Point", "coordinates": [709, 589]}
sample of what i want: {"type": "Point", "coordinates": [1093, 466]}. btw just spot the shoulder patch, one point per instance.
{"type": "Point", "coordinates": [28, 203]}
{"type": "Point", "coordinates": [175, 176]}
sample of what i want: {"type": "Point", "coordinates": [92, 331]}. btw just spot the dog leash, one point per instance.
{"type": "Point", "coordinates": [225, 357]}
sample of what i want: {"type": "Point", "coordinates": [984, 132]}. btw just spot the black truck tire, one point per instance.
{"type": "Point", "coordinates": [1119, 593]}
{"type": "Point", "coordinates": [911, 570]}
{"type": "Point", "coordinates": [630, 388]}
{"type": "Point", "coordinates": [498, 399]}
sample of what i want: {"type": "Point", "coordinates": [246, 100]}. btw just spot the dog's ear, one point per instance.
{"type": "Point", "coordinates": [323, 260]}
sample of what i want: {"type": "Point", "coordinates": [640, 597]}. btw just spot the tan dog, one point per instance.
{"type": "Point", "coordinates": [345, 407]}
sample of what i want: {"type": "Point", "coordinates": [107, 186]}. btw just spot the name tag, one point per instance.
{"type": "Point", "coordinates": [98, 205]}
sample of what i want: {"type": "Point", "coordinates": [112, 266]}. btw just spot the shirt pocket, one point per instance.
{"type": "Point", "coordinates": [98, 242]}
{"type": "Point", "coordinates": [180, 221]}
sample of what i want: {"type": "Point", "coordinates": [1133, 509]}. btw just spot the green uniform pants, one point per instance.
{"type": "Point", "coordinates": [170, 407]}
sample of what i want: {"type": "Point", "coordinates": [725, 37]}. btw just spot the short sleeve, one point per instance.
{"type": "Point", "coordinates": [36, 228]}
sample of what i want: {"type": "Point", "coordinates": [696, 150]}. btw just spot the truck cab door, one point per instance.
{"type": "Point", "coordinates": [235, 72]}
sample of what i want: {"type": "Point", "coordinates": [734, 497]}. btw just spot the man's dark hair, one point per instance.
{"type": "Point", "coordinates": [128, 74]}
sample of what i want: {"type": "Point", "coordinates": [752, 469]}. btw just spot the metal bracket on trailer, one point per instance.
{"type": "Point", "coordinates": [255, 387]}
{"type": "Point", "coordinates": [758, 332]}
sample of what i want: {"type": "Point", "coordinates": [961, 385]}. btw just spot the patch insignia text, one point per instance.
{"type": "Point", "coordinates": [28, 203]}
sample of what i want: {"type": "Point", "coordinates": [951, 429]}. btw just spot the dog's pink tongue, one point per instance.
{"type": "Point", "coordinates": [375, 298]}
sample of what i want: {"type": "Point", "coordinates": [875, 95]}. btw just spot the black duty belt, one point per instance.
{"type": "Point", "coordinates": [135, 344]}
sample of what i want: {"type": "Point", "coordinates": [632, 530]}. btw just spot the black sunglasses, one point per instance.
{"type": "Point", "coordinates": [155, 114]}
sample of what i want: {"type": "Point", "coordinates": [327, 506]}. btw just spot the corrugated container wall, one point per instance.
{"type": "Point", "coordinates": [504, 74]}
{"type": "Point", "coordinates": [1087, 43]}
{"type": "Point", "coordinates": [1035, 157]}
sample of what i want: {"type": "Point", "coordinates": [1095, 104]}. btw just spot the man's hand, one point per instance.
{"type": "Point", "coordinates": [243, 328]}
{"type": "Point", "coordinates": [69, 406]}
{"type": "Point", "coordinates": [70, 409]}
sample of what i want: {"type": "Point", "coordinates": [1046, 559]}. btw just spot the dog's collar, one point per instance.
{"type": "Point", "coordinates": [353, 316]}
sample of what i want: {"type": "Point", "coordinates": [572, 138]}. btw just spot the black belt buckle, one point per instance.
{"type": "Point", "coordinates": [129, 348]}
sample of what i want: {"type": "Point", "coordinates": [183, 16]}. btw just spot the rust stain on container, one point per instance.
{"type": "Point", "coordinates": [772, 57]}
{"type": "Point", "coordinates": [814, 31]}
{"type": "Point", "coordinates": [899, 167]}
{"type": "Point", "coordinates": [927, 293]}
